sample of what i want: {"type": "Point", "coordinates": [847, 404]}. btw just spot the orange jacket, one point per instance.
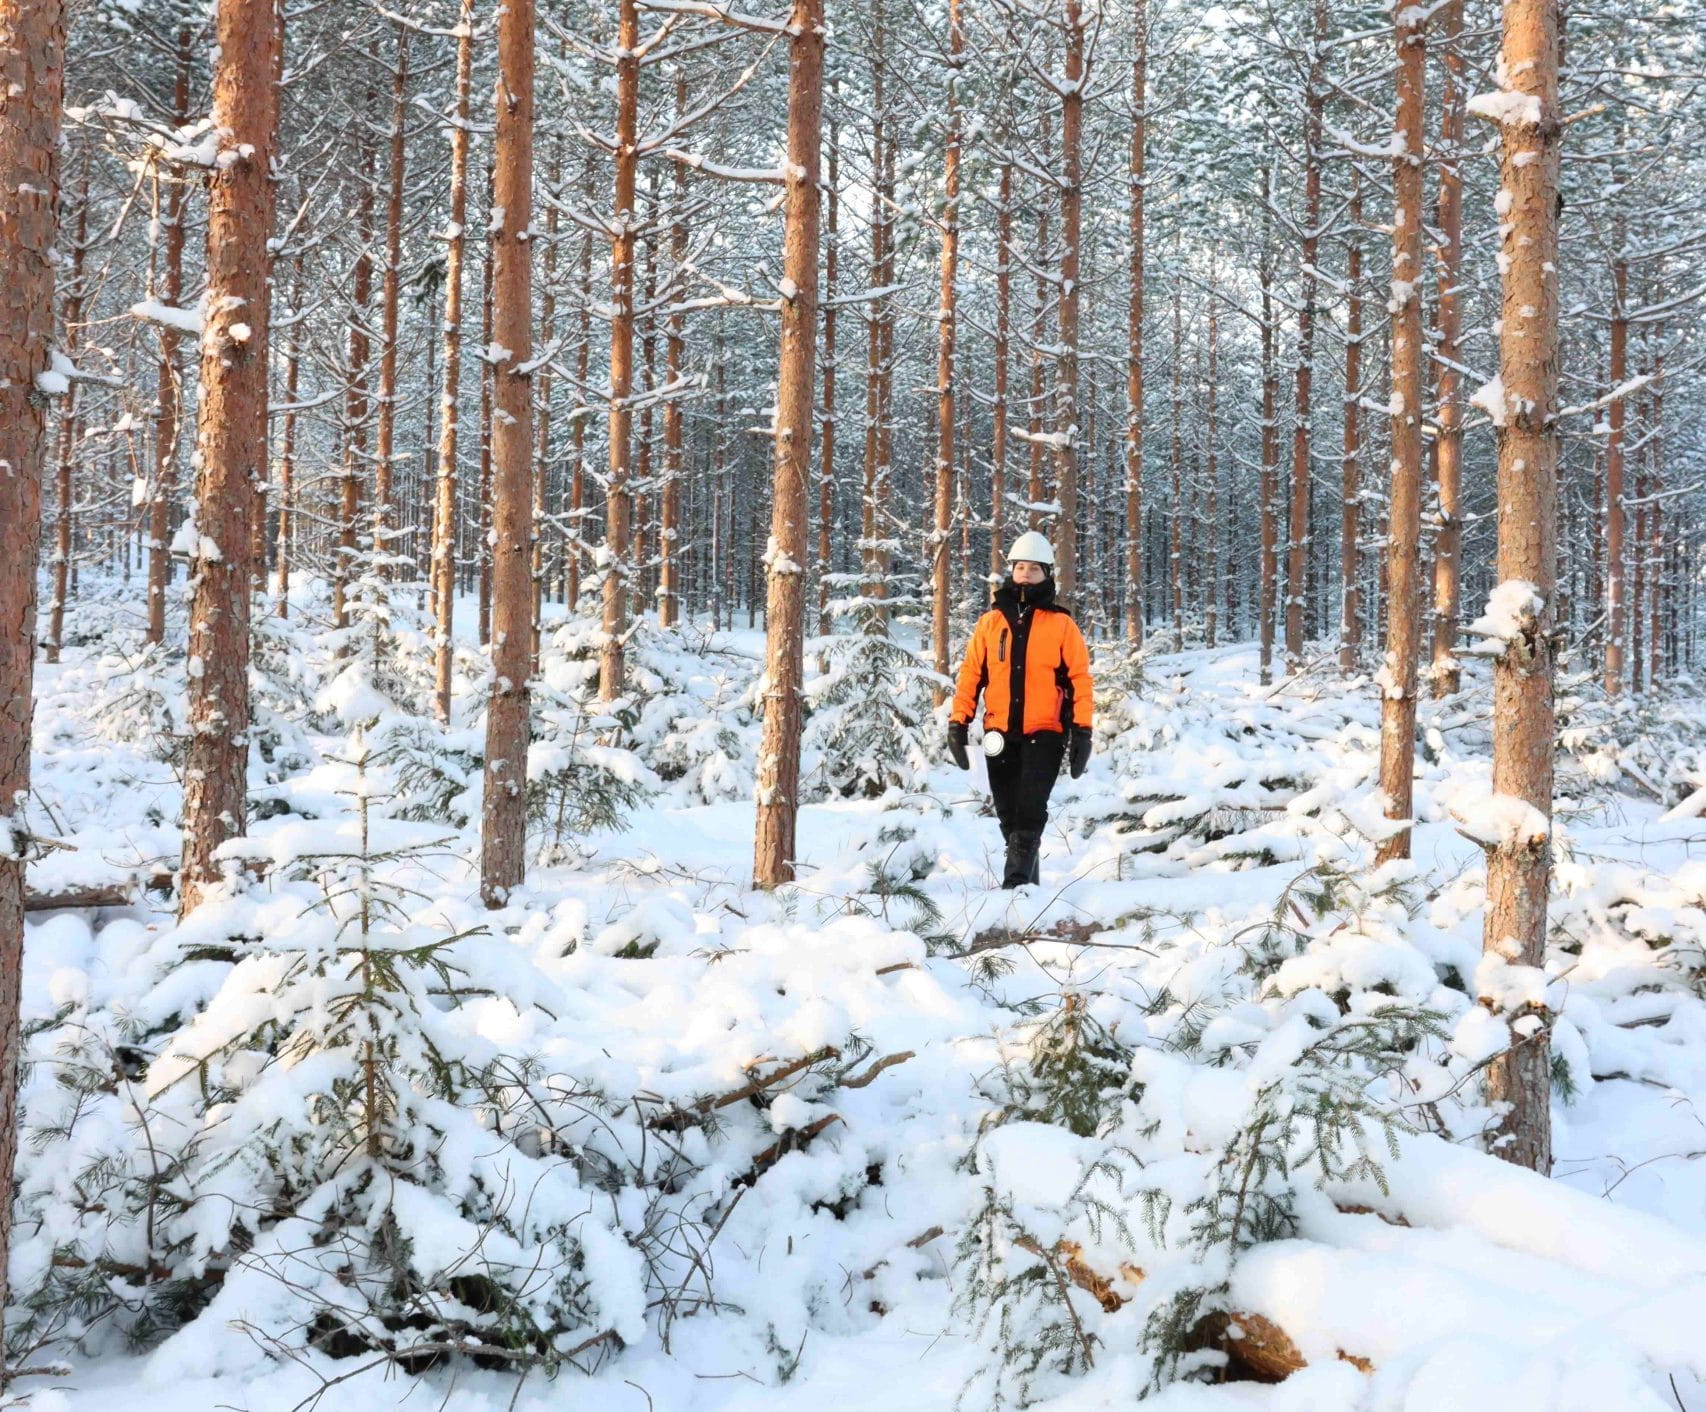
{"type": "Point", "coordinates": [1051, 671]}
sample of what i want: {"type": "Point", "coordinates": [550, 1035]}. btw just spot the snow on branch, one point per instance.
{"type": "Point", "coordinates": [716, 12]}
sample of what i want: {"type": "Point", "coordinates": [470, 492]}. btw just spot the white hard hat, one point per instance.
{"type": "Point", "coordinates": [1033, 548]}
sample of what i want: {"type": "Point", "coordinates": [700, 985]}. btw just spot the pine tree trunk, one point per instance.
{"type": "Point", "coordinates": [482, 555]}
{"type": "Point", "coordinates": [1003, 359]}
{"type": "Point", "coordinates": [169, 385]}
{"type": "Point", "coordinates": [231, 438]}
{"type": "Point", "coordinates": [779, 745]}
{"type": "Point", "coordinates": [445, 517]}
{"type": "Point", "coordinates": [1269, 487]}
{"type": "Point", "coordinates": [1211, 585]}
{"type": "Point", "coordinates": [355, 395]}
{"type": "Point", "coordinates": [826, 472]}
{"type": "Point", "coordinates": [32, 78]}
{"type": "Point", "coordinates": [611, 668]}
{"type": "Point", "coordinates": [577, 473]}
{"type": "Point", "coordinates": [1519, 1081]}
{"type": "Point", "coordinates": [1134, 605]}
{"type": "Point", "coordinates": [73, 332]}
{"type": "Point", "coordinates": [503, 832]}
{"type": "Point", "coordinates": [1297, 547]}
{"type": "Point", "coordinates": [946, 329]}
{"type": "Point", "coordinates": [1350, 478]}
{"type": "Point", "coordinates": [1615, 414]}
{"type": "Point", "coordinates": [1071, 233]}
{"type": "Point", "coordinates": [1403, 549]}
{"type": "Point", "coordinates": [669, 520]}
{"type": "Point", "coordinates": [543, 383]}
{"type": "Point", "coordinates": [1176, 550]}
{"type": "Point", "coordinates": [287, 446]}
{"type": "Point", "coordinates": [384, 514]}
{"type": "Point", "coordinates": [1448, 443]}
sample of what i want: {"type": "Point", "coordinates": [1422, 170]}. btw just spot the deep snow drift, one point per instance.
{"type": "Point", "coordinates": [849, 1145]}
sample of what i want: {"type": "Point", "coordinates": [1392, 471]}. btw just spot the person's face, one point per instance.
{"type": "Point", "coordinates": [1026, 571]}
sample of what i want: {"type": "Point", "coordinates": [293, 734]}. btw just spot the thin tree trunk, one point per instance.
{"type": "Point", "coordinates": [384, 513]}
{"type": "Point", "coordinates": [1134, 334]}
{"type": "Point", "coordinates": [826, 472]}
{"type": "Point", "coordinates": [503, 832]}
{"type": "Point", "coordinates": [355, 395]}
{"type": "Point", "coordinates": [1003, 359]}
{"type": "Point", "coordinates": [32, 72]}
{"type": "Point", "coordinates": [1211, 585]}
{"type": "Point", "coordinates": [577, 473]}
{"type": "Point", "coordinates": [1614, 555]}
{"type": "Point", "coordinates": [1448, 443]}
{"type": "Point", "coordinates": [946, 328]}
{"type": "Point", "coordinates": [1403, 551]}
{"type": "Point", "coordinates": [482, 556]}
{"type": "Point", "coordinates": [1519, 1081]}
{"type": "Point", "coordinates": [1297, 549]}
{"type": "Point", "coordinates": [73, 333]}
{"type": "Point", "coordinates": [1176, 550]}
{"type": "Point", "coordinates": [1269, 488]}
{"type": "Point", "coordinates": [231, 437]}
{"type": "Point", "coordinates": [611, 667]}
{"type": "Point", "coordinates": [444, 522]}
{"type": "Point", "coordinates": [779, 745]}
{"type": "Point", "coordinates": [287, 447]}
{"type": "Point", "coordinates": [543, 384]}
{"type": "Point", "coordinates": [669, 526]}
{"type": "Point", "coordinates": [1350, 517]}
{"type": "Point", "coordinates": [1071, 232]}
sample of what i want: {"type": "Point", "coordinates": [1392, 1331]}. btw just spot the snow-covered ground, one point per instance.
{"type": "Point", "coordinates": [1206, 908]}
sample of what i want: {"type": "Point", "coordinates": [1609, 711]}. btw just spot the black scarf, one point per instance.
{"type": "Point", "coordinates": [1011, 597]}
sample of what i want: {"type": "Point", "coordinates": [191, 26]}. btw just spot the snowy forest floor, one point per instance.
{"type": "Point", "coordinates": [1206, 899]}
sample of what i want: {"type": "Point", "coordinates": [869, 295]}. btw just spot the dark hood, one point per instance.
{"type": "Point", "coordinates": [1012, 596]}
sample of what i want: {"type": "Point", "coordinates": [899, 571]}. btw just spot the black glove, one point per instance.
{"type": "Point", "coordinates": [1080, 750]}
{"type": "Point", "coordinates": [957, 744]}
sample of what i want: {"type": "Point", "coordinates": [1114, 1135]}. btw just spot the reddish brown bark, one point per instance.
{"type": "Point", "coordinates": [946, 331]}
{"type": "Point", "coordinates": [779, 745]}
{"type": "Point", "coordinates": [287, 447]}
{"type": "Point", "coordinates": [1071, 231]}
{"type": "Point", "coordinates": [1003, 351]}
{"type": "Point", "coordinates": [444, 518]}
{"type": "Point", "coordinates": [482, 555]}
{"type": "Point", "coordinates": [32, 91]}
{"type": "Point", "coordinates": [1448, 443]}
{"type": "Point", "coordinates": [169, 390]}
{"type": "Point", "coordinates": [72, 323]}
{"type": "Point", "coordinates": [826, 417]}
{"type": "Point", "coordinates": [1297, 546]}
{"type": "Point", "coordinates": [384, 515]}
{"type": "Point", "coordinates": [1350, 478]}
{"type": "Point", "coordinates": [1519, 1081]}
{"type": "Point", "coordinates": [1134, 334]}
{"type": "Point", "coordinates": [1403, 545]}
{"type": "Point", "coordinates": [503, 833]}
{"type": "Point", "coordinates": [611, 667]}
{"type": "Point", "coordinates": [231, 438]}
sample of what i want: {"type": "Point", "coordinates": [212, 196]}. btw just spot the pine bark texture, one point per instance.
{"type": "Point", "coordinates": [946, 328]}
{"type": "Point", "coordinates": [1519, 1081]}
{"type": "Point", "coordinates": [779, 744]}
{"type": "Point", "coordinates": [618, 495]}
{"type": "Point", "coordinates": [169, 391]}
{"type": "Point", "coordinates": [1297, 546]}
{"type": "Point", "coordinates": [1448, 319]}
{"type": "Point", "coordinates": [503, 833]}
{"type": "Point", "coordinates": [444, 516]}
{"type": "Point", "coordinates": [1403, 545]}
{"type": "Point", "coordinates": [231, 438]}
{"type": "Point", "coordinates": [32, 91]}
{"type": "Point", "coordinates": [1134, 605]}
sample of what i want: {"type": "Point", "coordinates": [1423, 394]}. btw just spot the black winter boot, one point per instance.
{"type": "Point", "coordinates": [1023, 867]}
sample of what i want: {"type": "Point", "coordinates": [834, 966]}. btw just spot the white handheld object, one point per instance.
{"type": "Point", "coordinates": [993, 743]}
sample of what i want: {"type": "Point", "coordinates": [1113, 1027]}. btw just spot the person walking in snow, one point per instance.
{"type": "Point", "coordinates": [1028, 660]}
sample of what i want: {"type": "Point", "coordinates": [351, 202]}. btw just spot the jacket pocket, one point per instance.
{"type": "Point", "coordinates": [1001, 647]}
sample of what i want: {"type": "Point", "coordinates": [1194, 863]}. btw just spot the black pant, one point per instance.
{"type": "Point", "coordinates": [1022, 777]}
